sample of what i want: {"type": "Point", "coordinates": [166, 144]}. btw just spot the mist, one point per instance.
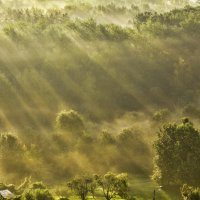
{"type": "Point", "coordinates": [85, 86]}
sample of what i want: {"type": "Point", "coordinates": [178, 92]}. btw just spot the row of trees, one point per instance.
{"type": "Point", "coordinates": [95, 84]}
{"type": "Point", "coordinates": [109, 186]}
{"type": "Point", "coordinates": [59, 153]}
{"type": "Point", "coordinates": [112, 185]}
{"type": "Point", "coordinates": [76, 6]}
{"type": "Point", "coordinates": [171, 23]}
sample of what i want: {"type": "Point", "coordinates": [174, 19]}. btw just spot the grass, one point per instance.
{"type": "Point", "coordinates": [143, 188]}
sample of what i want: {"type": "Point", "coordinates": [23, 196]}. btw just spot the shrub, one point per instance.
{"type": "Point", "coordinates": [37, 194]}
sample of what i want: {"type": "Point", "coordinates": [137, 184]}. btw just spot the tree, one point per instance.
{"type": "Point", "coordinates": [9, 143]}
{"type": "Point", "coordinates": [161, 115]}
{"type": "Point", "coordinates": [82, 185]}
{"type": "Point", "coordinates": [113, 185]}
{"type": "Point", "coordinates": [130, 141]}
{"type": "Point", "coordinates": [10, 147]}
{"type": "Point", "coordinates": [69, 121]}
{"type": "Point", "coordinates": [107, 138]}
{"type": "Point", "coordinates": [12, 155]}
{"type": "Point", "coordinates": [177, 151]}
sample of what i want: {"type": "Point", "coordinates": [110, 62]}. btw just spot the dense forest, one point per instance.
{"type": "Point", "coordinates": [100, 99]}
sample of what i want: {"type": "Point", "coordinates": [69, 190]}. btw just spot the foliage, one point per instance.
{"type": "Point", "coordinates": [161, 115]}
{"type": "Point", "coordinates": [24, 185]}
{"type": "Point", "coordinates": [177, 154]}
{"type": "Point", "coordinates": [171, 23]}
{"type": "Point", "coordinates": [82, 185]}
{"type": "Point", "coordinates": [12, 154]}
{"type": "Point", "coordinates": [96, 79]}
{"type": "Point", "coordinates": [107, 138]}
{"type": "Point", "coordinates": [113, 185]}
{"type": "Point", "coordinates": [190, 193]}
{"type": "Point", "coordinates": [10, 142]}
{"type": "Point", "coordinates": [37, 194]}
{"type": "Point", "coordinates": [115, 63]}
{"type": "Point", "coordinates": [38, 185]}
{"type": "Point", "coordinates": [69, 121]}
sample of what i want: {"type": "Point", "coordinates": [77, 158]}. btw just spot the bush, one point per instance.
{"type": "Point", "coordinates": [38, 185]}
{"type": "Point", "coordinates": [190, 193]}
{"type": "Point", "coordinates": [161, 115]}
{"type": "Point", "coordinates": [37, 194]}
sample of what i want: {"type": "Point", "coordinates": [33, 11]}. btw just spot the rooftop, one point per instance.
{"type": "Point", "coordinates": [6, 194]}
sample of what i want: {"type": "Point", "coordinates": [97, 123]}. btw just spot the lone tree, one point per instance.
{"type": "Point", "coordinates": [69, 121]}
{"type": "Point", "coordinates": [11, 149]}
{"type": "Point", "coordinates": [113, 185]}
{"type": "Point", "coordinates": [177, 157]}
{"type": "Point", "coordinates": [82, 186]}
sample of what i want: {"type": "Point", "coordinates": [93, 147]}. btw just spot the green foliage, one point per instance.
{"type": "Point", "coordinates": [69, 121]}
{"type": "Point", "coordinates": [190, 193]}
{"type": "Point", "coordinates": [62, 192]}
{"type": "Point", "coordinates": [107, 138]}
{"type": "Point", "coordinates": [37, 194]}
{"type": "Point", "coordinates": [24, 185]}
{"type": "Point", "coordinates": [95, 84]}
{"type": "Point", "coordinates": [131, 139]}
{"type": "Point", "coordinates": [12, 156]}
{"type": "Point", "coordinates": [171, 23]}
{"type": "Point", "coordinates": [113, 185]}
{"type": "Point", "coordinates": [38, 185]}
{"type": "Point", "coordinates": [63, 198]}
{"type": "Point", "coordinates": [9, 143]}
{"type": "Point", "coordinates": [161, 115]}
{"type": "Point", "coordinates": [82, 185]}
{"type": "Point", "coordinates": [104, 60]}
{"type": "Point", "coordinates": [177, 154]}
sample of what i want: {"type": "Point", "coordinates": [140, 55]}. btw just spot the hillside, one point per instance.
{"type": "Point", "coordinates": [86, 85]}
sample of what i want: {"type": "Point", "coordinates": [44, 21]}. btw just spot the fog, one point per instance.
{"type": "Point", "coordinates": [124, 68]}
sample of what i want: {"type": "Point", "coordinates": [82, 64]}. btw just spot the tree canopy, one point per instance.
{"type": "Point", "coordinates": [178, 154]}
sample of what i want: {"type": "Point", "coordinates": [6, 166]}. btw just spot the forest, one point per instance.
{"type": "Point", "coordinates": [100, 99]}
